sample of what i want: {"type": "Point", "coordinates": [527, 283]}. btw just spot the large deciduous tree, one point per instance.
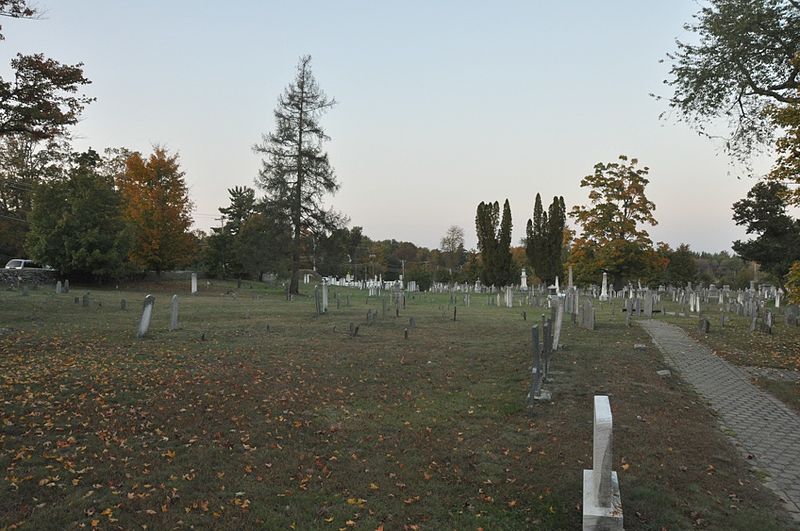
{"type": "Point", "coordinates": [452, 247]}
{"type": "Point", "coordinates": [295, 171]}
{"type": "Point", "coordinates": [157, 205]}
{"type": "Point", "coordinates": [746, 58]}
{"type": "Point", "coordinates": [612, 238]}
{"type": "Point", "coordinates": [76, 224]}
{"type": "Point", "coordinates": [763, 213]}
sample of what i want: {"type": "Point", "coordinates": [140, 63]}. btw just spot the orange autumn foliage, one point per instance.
{"type": "Point", "coordinates": [157, 205]}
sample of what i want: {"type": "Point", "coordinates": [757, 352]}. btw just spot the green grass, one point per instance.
{"type": "Point", "coordinates": [303, 426]}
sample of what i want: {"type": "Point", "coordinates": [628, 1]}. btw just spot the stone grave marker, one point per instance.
{"type": "Point", "coordinates": [602, 503]}
{"type": "Point", "coordinates": [703, 325]}
{"type": "Point", "coordinates": [123, 305]}
{"type": "Point", "coordinates": [194, 283]}
{"type": "Point", "coordinates": [558, 322]}
{"type": "Point", "coordinates": [66, 286]}
{"type": "Point", "coordinates": [147, 314]}
{"type": "Point", "coordinates": [173, 313]}
{"type": "Point", "coordinates": [85, 300]}
{"type": "Point", "coordinates": [58, 288]}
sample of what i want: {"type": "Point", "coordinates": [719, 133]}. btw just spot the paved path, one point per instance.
{"type": "Point", "coordinates": [763, 426]}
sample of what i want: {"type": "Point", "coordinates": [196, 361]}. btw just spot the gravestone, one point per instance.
{"type": "Point", "coordinates": [173, 313]}
{"type": "Point", "coordinates": [123, 305]}
{"type": "Point", "coordinates": [58, 288]}
{"type": "Point", "coordinates": [792, 315]}
{"type": "Point", "coordinates": [537, 372]}
{"type": "Point", "coordinates": [85, 300]}
{"type": "Point", "coordinates": [66, 286]}
{"type": "Point", "coordinates": [703, 326]}
{"type": "Point", "coordinates": [147, 314]}
{"type": "Point", "coordinates": [604, 288]}
{"type": "Point", "coordinates": [24, 291]}
{"type": "Point", "coordinates": [558, 321]}
{"type": "Point", "coordinates": [324, 297]}
{"type": "Point", "coordinates": [602, 503]}
{"type": "Point", "coordinates": [194, 283]}
{"type": "Point", "coordinates": [628, 310]}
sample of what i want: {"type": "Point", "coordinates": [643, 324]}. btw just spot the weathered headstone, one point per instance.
{"type": "Point", "coordinates": [147, 314]}
{"type": "Point", "coordinates": [123, 305]}
{"type": "Point", "coordinates": [604, 288]}
{"type": "Point", "coordinates": [58, 288]}
{"type": "Point", "coordinates": [324, 297]}
{"type": "Point", "coordinates": [66, 286]}
{"type": "Point", "coordinates": [558, 322]}
{"type": "Point", "coordinates": [85, 300]}
{"type": "Point", "coordinates": [194, 283]}
{"type": "Point", "coordinates": [173, 313]}
{"type": "Point", "coordinates": [602, 504]}
{"type": "Point", "coordinates": [703, 326]}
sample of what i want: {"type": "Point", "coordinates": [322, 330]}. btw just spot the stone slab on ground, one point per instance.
{"type": "Point", "coordinates": [763, 426]}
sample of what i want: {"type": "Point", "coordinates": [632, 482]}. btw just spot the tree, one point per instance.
{"type": "Point", "coordinates": [682, 267]}
{"type": "Point", "coordinates": [452, 247]}
{"type": "Point", "coordinates": [296, 172]}
{"type": "Point", "coordinates": [746, 59]}
{"type": "Point", "coordinates": [24, 164]}
{"type": "Point", "coordinates": [544, 240]}
{"type": "Point", "coordinates": [764, 212]}
{"type": "Point", "coordinates": [786, 169]}
{"type": "Point", "coordinates": [157, 205]}
{"type": "Point", "coordinates": [534, 238]}
{"type": "Point", "coordinates": [612, 239]}
{"type": "Point", "coordinates": [494, 243]}
{"type": "Point", "coordinates": [793, 282]}
{"type": "Point", "coordinates": [76, 224]}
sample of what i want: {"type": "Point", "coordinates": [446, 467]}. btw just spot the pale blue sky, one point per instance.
{"type": "Point", "coordinates": [441, 104]}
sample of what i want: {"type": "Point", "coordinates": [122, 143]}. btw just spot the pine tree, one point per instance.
{"type": "Point", "coordinates": [296, 172]}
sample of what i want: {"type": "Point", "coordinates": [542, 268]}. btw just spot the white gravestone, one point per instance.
{"type": "Point", "coordinates": [194, 283]}
{"type": "Point", "coordinates": [58, 287]}
{"type": "Point", "coordinates": [147, 314]}
{"type": "Point", "coordinates": [602, 505]}
{"type": "Point", "coordinates": [604, 288]}
{"type": "Point", "coordinates": [569, 284]}
{"type": "Point", "coordinates": [523, 282]}
{"type": "Point", "coordinates": [324, 297]}
{"type": "Point", "coordinates": [173, 313]}
{"type": "Point", "coordinates": [559, 321]}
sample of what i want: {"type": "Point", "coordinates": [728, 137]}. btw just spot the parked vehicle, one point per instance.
{"type": "Point", "coordinates": [22, 263]}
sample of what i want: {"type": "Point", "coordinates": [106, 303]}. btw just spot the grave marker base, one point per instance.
{"type": "Point", "coordinates": [601, 518]}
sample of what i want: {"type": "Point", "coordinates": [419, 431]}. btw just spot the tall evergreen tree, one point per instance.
{"type": "Point", "coordinates": [494, 243]}
{"type": "Point", "coordinates": [554, 238]}
{"type": "Point", "coordinates": [504, 259]}
{"type": "Point", "coordinates": [295, 171]}
{"type": "Point", "coordinates": [486, 220]}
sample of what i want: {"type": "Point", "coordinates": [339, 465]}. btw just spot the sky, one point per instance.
{"type": "Point", "coordinates": [441, 105]}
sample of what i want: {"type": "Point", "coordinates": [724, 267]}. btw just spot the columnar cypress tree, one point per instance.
{"type": "Point", "coordinates": [544, 244]}
{"type": "Point", "coordinates": [494, 243]}
{"type": "Point", "coordinates": [504, 260]}
{"type": "Point", "coordinates": [486, 228]}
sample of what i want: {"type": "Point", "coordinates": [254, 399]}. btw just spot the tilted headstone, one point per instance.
{"type": "Point", "coordinates": [173, 313]}
{"type": "Point", "coordinates": [147, 314]}
{"type": "Point", "coordinates": [602, 504]}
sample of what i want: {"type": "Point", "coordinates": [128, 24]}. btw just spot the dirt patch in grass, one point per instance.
{"type": "Point", "coordinates": [229, 424]}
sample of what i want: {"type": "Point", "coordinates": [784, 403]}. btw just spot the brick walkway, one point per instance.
{"type": "Point", "coordinates": [762, 425]}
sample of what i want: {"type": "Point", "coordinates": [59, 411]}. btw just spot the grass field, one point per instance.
{"type": "Point", "coordinates": [258, 414]}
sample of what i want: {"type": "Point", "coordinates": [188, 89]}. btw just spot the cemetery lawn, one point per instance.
{"type": "Point", "coordinates": [738, 345]}
{"type": "Point", "coordinates": [300, 426]}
